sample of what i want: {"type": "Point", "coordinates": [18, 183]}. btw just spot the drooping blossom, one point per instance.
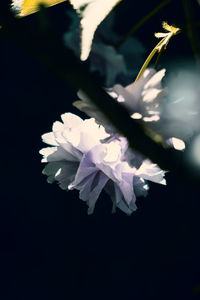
{"type": "Point", "coordinates": [145, 100]}
{"type": "Point", "coordinates": [142, 98]}
{"type": "Point", "coordinates": [79, 160]}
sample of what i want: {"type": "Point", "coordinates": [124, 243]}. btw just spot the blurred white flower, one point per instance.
{"type": "Point", "coordinates": [180, 114]}
{"type": "Point", "coordinates": [146, 100]}
{"type": "Point", "coordinates": [142, 98]}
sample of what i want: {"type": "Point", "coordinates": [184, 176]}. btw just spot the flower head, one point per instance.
{"type": "Point", "coordinates": [102, 168]}
{"type": "Point", "coordinates": [70, 140]}
{"type": "Point", "coordinates": [142, 98]}
{"type": "Point", "coordinates": [79, 160]}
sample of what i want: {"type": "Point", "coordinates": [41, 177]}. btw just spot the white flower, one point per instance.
{"type": "Point", "coordinates": [70, 140]}
{"type": "Point", "coordinates": [142, 98]}
{"type": "Point", "coordinates": [180, 114]}
{"type": "Point", "coordinates": [102, 167]}
{"type": "Point", "coordinates": [79, 160]}
{"type": "Point", "coordinates": [145, 100]}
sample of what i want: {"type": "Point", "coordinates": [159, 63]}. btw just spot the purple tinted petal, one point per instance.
{"type": "Point", "coordinates": [126, 187]}
{"type": "Point", "coordinates": [86, 169]}
{"type": "Point", "coordinates": [98, 184]}
{"type": "Point", "coordinates": [66, 174]}
{"type": "Point", "coordinates": [118, 199]}
{"type": "Point", "coordinates": [128, 208]}
{"type": "Point", "coordinates": [63, 172]}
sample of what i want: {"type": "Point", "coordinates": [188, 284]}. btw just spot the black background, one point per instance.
{"type": "Point", "coordinates": [50, 248]}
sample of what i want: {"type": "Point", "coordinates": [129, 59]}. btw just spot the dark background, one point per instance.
{"type": "Point", "coordinates": [50, 248]}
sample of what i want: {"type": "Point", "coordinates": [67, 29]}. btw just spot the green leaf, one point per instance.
{"type": "Point", "coordinates": [27, 7]}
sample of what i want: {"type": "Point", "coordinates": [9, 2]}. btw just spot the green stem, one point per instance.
{"type": "Point", "coordinates": [158, 58]}
{"type": "Point", "coordinates": [148, 16]}
{"type": "Point", "coordinates": [149, 58]}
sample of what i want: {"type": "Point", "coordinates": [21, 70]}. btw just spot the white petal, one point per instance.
{"type": "Point", "coordinates": [49, 138]}
{"type": "Point", "coordinates": [155, 81]}
{"type": "Point", "coordinates": [151, 119]}
{"type": "Point", "coordinates": [71, 120]}
{"type": "Point", "coordinates": [136, 116]}
{"type": "Point", "coordinates": [58, 126]}
{"type": "Point", "coordinates": [113, 152]}
{"type": "Point", "coordinates": [151, 172]}
{"type": "Point", "coordinates": [151, 95]}
{"type": "Point", "coordinates": [46, 152]}
{"type": "Point", "coordinates": [73, 137]}
{"type": "Point", "coordinates": [101, 181]}
{"type": "Point", "coordinates": [178, 144]}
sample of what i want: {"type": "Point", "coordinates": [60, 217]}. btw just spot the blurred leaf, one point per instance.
{"type": "Point", "coordinates": [92, 13]}
{"type": "Point", "coordinates": [31, 6]}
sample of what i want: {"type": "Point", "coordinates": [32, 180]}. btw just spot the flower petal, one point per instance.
{"type": "Point", "coordinates": [49, 138]}
{"type": "Point", "coordinates": [71, 120]}
{"type": "Point", "coordinates": [152, 172]}
{"type": "Point", "coordinates": [155, 81]}
{"type": "Point", "coordinates": [56, 154]}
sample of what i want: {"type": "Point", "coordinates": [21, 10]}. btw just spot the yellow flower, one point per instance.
{"type": "Point", "coordinates": [172, 30]}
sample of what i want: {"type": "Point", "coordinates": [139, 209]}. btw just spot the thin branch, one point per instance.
{"type": "Point", "coordinates": [148, 60]}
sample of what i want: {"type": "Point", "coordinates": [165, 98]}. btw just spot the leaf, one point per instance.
{"type": "Point", "coordinates": [92, 13]}
{"type": "Point", "coordinates": [28, 7]}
